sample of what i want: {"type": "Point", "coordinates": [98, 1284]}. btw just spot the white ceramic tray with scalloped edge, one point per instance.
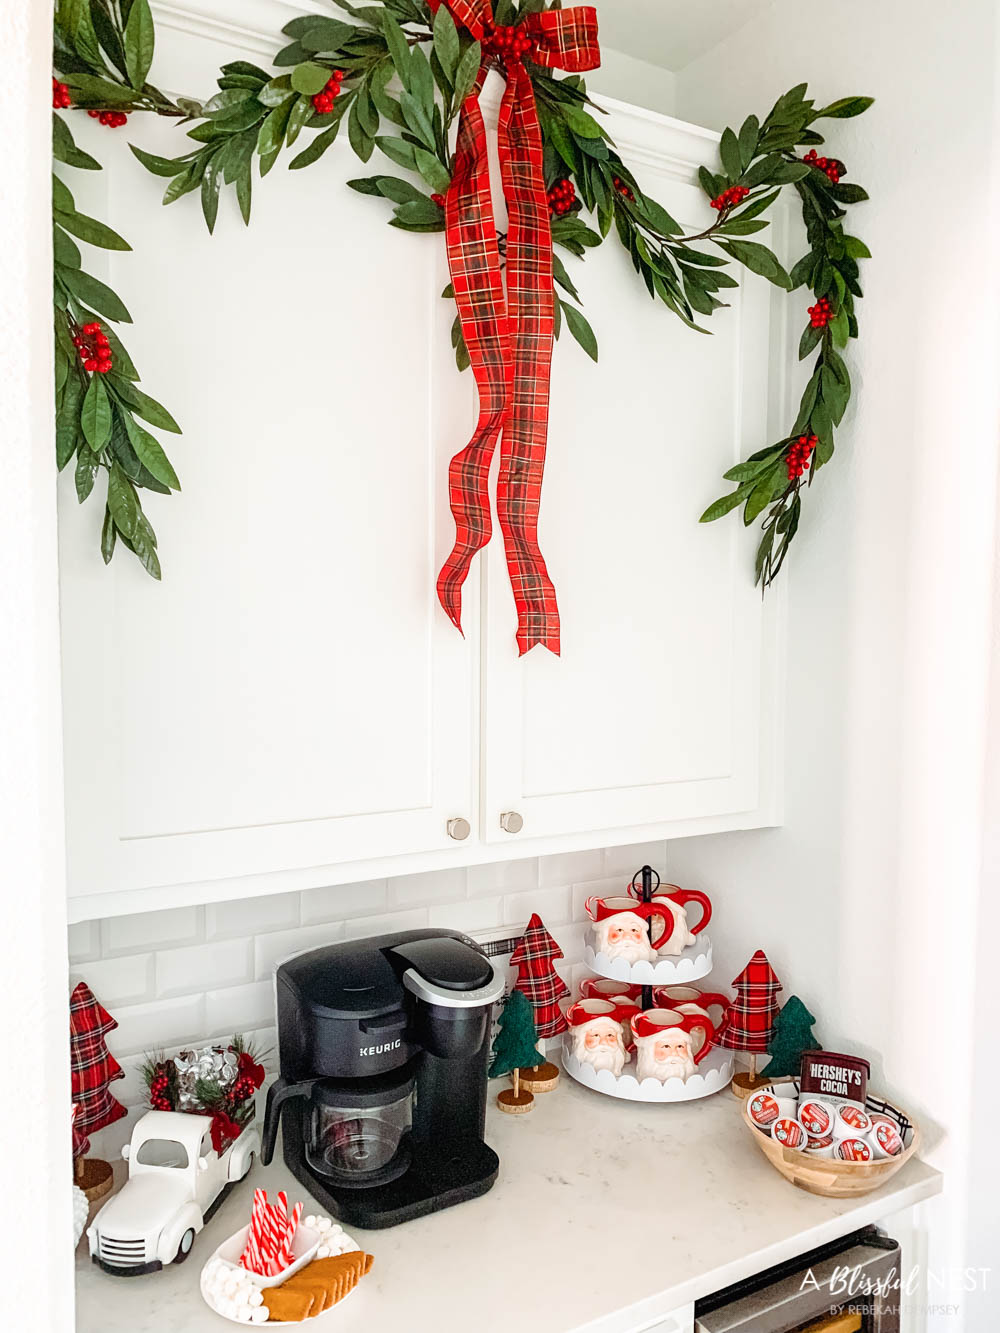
{"type": "Point", "coordinates": [713, 1074]}
{"type": "Point", "coordinates": [694, 962]}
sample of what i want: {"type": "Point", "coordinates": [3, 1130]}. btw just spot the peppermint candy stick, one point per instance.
{"type": "Point", "coordinates": [252, 1257]}
{"type": "Point", "coordinates": [285, 1253]}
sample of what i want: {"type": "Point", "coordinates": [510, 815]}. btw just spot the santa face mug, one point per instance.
{"type": "Point", "coordinates": [670, 1044]}
{"type": "Point", "coordinates": [596, 1033]}
{"type": "Point", "coordinates": [673, 901]}
{"type": "Point", "coordinates": [603, 988]}
{"type": "Point", "coordinates": [621, 929]}
{"type": "Point", "coordinates": [691, 1000]}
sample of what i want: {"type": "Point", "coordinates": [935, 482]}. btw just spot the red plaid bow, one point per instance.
{"type": "Point", "coordinates": [509, 337]}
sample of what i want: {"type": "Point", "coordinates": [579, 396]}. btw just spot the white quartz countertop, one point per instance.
{"type": "Point", "coordinates": [601, 1205]}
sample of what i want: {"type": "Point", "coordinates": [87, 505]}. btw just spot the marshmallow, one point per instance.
{"type": "Point", "coordinates": [260, 1315]}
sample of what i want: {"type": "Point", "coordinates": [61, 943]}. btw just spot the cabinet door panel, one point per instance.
{"type": "Point", "coordinates": [290, 694]}
{"type": "Point", "coordinates": [652, 714]}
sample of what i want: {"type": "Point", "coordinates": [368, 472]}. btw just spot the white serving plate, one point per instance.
{"type": "Point", "coordinates": [713, 1074]}
{"type": "Point", "coordinates": [690, 965]}
{"type": "Point", "coordinates": [304, 1246]}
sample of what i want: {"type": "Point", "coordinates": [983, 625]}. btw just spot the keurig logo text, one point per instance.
{"type": "Point", "coordinates": [385, 1046]}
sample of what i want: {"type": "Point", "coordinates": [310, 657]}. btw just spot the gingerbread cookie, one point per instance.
{"type": "Point", "coordinates": [316, 1287]}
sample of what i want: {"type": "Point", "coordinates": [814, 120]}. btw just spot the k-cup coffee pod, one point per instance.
{"type": "Point", "coordinates": [763, 1110]}
{"type": "Point", "coordinates": [788, 1106]}
{"type": "Point", "coordinates": [788, 1132]}
{"type": "Point", "coordinates": [817, 1117]}
{"type": "Point", "coordinates": [854, 1150]}
{"type": "Point", "coordinates": [886, 1139]}
{"type": "Point", "coordinates": [850, 1122]}
{"type": "Point", "coordinates": [819, 1147]}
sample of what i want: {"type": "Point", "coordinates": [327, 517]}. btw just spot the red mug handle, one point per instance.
{"type": "Point", "coordinates": [710, 1037]}
{"type": "Point", "coordinates": [683, 896]}
{"type": "Point", "coordinates": [665, 917]}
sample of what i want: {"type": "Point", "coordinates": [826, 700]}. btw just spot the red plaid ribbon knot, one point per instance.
{"type": "Point", "coordinates": [509, 335]}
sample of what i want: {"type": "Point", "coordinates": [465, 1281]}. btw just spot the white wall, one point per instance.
{"type": "Point", "coordinates": [867, 899]}
{"type": "Point", "coordinates": [636, 81]}
{"type": "Point", "coordinates": [36, 1292]}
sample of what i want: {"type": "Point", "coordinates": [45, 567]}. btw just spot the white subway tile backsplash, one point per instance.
{"type": "Point", "coordinates": [503, 877]}
{"type": "Point", "coordinates": [476, 914]}
{"type": "Point", "coordinates": [190, 975]}
{"type": "Point", "coordinates": [117, 981]}
{"type": "Point", "coordinates": [269, 950]}
{"type": "Point", "coordinates": [251, 916]}
{"type": "Point", "coordinates": [151, 930]}
{"type": "Point", "coordinates": [339, 901]}
{"type": "Point", "coordinates": [362, 926]}
{"type": "Point", "coordinates": [239, 1009]}
{"type": "Point", "coordinates": [627, 860]}
{"type": "Point", "coordinates": [433, 886]}
{"type": "Point", "coordinates": [552, 905]}
{"type": "Point", "coordinates": [84, 941]}
{"type": "Point", "coordinates": [161, 1023]}
{"type": "Point", "coordinates": [568, 867]}
{"type": "Point", "coordinates": [223, 963]}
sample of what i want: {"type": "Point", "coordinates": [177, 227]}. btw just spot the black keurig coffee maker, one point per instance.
{"type": "Point", "coordinates": [383, 1046]}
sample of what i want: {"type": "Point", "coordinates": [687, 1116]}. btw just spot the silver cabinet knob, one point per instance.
{"type": "Point", "coordinates": [459, 829]}
{"type": "Point", "coordinates": [511, 822]}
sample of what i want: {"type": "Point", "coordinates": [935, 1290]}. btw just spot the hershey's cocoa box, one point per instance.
{"type": "Point", "coordinates": [833, 1077]}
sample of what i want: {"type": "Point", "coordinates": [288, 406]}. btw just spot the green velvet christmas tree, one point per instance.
{"type": "Point", "coordinates": [514, 1048]}
{"type": "Point", "coordinates": [792, 1036]}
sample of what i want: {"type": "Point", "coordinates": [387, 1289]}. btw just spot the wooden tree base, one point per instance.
{"type": "Point", "coordinates": [515, 1103]}
{"type": "Point", "coordinates": [94, 1176]}
{"type": "Point", "coordinates": [744, 1084]}
{"type": "Point", "coordinates": [541, 1078]}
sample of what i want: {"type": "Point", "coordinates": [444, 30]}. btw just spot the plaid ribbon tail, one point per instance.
{"type": "Point", "coordinates": [474, 263]}
{"type": "Point", "coordinates": [530, 309]}
{"type": "Point", "coordinates": [510, 336]}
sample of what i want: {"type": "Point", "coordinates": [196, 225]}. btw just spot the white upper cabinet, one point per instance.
{"type": "Point", "coordinates": [653, 713]}
{"type": "Point", "coordinates": [289, 695]}
{"type": "Point", "coordinates": [290, 706]}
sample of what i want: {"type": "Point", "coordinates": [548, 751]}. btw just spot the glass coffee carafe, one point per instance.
{"type": "Point", "coordinates": [358, 1132]}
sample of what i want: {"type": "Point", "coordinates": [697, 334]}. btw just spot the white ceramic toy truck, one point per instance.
{"type": "Point", "coordinates": [176, 1180]}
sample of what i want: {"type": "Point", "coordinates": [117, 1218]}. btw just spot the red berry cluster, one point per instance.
{"type": "Point", "coordinates": [438, 199]}
{"type": "Point", "coordinates": [829, 165]}
{"type": "Point", "coordinates": [159, 1099]}
{"type": "Point", "coordinates": [507, 43]}
{"type": "Point", "coordinates": [623, 187]}
{"type": "Point", "coordinates": [114, 119]}
{"type": "Point", "coordinates": [562, 197]}
{"type": "Point", "coordinates": [324, 100]}
{"type": "Point", "coordinates": [95, 351]}
{"type": "Point", "coordinates": [731, 197]}
{"type": "Point", "coordinates": [242, 1090]}
{"type": "Point", "coordinates": [60, 95]}
{"type": "Point", "coordinates": [821, 313]}
{"type": "Point", "coordinates": [798, 454]}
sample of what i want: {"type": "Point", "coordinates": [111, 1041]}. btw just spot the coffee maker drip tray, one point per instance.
{"type": "Point", "coordinates": [359, 1136]}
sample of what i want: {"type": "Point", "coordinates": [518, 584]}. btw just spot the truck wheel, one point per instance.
{"type": "Point", "coordinates": [184, 1247]}
{"type": "Point", "coordinates": [250, 1158]}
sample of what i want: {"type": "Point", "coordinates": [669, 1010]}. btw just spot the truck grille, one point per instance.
{"type": "Point", "coordinates": [122, 1251]}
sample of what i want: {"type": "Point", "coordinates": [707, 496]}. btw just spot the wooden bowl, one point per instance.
{"type": "Point", "coordinates": [828, 1175]}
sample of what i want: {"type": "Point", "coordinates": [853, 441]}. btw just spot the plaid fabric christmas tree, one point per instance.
{"type": "Point", "coordinates": [92, 1065]}
{"type": "Point", "coordinates": [751, 1020]}
{"type": "Point", "coordinates": [537, 978]}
